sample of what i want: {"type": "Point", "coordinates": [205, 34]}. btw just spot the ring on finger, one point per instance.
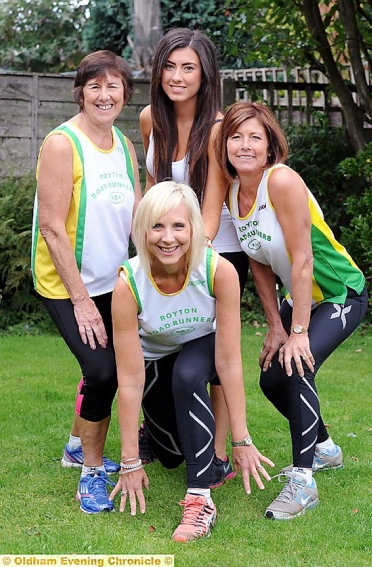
{"type": "Point", "coordinates": [259, 467]}
{"type": "Point", "coordinates": [305, 357]}
{"type": "Point", "coordinates": [124, 493]}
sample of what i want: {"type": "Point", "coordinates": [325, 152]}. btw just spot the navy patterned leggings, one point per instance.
{"type": "Point", "coordinates": [296, 398]}
{"type": "Point", "coordinates": [177, 409]}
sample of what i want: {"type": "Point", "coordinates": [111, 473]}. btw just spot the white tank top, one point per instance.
{"type": "Point", "coordinates": [167, 321]}
{"type": "Point", "coordinates": [99, 219]}
{"type": "Point", "coordinates": [226, 239]}
{"type": "Point", "coordinates": [262, 238]}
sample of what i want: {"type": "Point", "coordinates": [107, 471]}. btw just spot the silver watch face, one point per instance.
{"type": "Point", "coordinates": [297, 329]}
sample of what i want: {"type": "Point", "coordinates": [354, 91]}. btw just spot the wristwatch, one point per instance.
{"type": "Point", "coordinates": [246, 441]}
{"type": "Point", "coordinates": [298, 330]}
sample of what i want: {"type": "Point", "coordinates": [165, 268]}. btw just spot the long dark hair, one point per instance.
{"type": "Point", "coordinates": [163, 116]}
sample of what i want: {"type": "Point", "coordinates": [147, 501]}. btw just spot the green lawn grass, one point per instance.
{"type": "Point", "coordinates": [39, 514]}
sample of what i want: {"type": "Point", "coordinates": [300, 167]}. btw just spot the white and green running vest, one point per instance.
{"type": "Point", "coordinates": [262, 239]}
{"type": "Point", "coordinates": [99, 219]}
{"type": "Point", "coordinates": [167, 321]}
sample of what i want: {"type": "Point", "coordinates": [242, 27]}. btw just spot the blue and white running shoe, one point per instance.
{"type": "Point", "coordinates": [92, 493]}
{"type": "Point", "coordinates": [75, 459]}
{"type": "Point", "coordinates": [323, 461]}
{"type": "Point", "coordinates": [295, 498]}
{"type": "Point", "coordinates": [329, 459]}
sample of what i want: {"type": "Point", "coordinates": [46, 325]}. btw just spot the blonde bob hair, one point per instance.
{"type": "Point", "coordinates": [158, 201]}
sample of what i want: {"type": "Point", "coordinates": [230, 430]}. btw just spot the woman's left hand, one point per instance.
{"type": "Point", "coordinates": [247, 458]}
{"type": "Point", "coordinates": [298, 348]}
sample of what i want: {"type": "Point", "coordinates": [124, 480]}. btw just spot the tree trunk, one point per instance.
{"type": "Point", "coordinates": [147, 30]}
{"type": "Point", "coordinates": [349, 21]}
{"type": "Point", "coordinates": [353, 115]}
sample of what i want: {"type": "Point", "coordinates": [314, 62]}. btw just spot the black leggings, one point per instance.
{"type": "Point", "coordinates": [98, 385]}
{"type": "Point", "coordinates": [177, 409]}
{"type": "Point", "coordinates": [296, 398]}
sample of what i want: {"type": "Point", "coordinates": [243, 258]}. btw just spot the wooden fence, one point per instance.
{"type": "Point", "coordinates": [33, 104]}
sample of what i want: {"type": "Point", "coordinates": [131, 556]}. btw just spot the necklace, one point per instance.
{"type": "Point", "coordinates": [245, 204]}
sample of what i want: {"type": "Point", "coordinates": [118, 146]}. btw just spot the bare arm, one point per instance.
{"type": "Point", "coordinates": [131, 379]}
{"type": "Point", "coordinates": [55, 184]}
{"type": "Point", "coordinates": [215, 190]}
{"type": "Point", "coordinates": [289, 196]}
{"type": "Point", "coordinates": [230, 371]}
{"type": "Point", "coordinates": [145, 121]}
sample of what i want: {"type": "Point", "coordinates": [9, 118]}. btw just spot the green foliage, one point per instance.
{"type": "Point", "coordinates": [315, 153]}
{"type": "Point", "coordinates": [251, 311]}
{"type": "Point", "coordinates": [357, 235]}
{"type": "Point", "coordinates": [277, 34]}
{"type": "Point", "coordinates": [41, 36]}
{"type": "Point", "coordinates": [211, 17]}
{"type": "Point", "coordinates": [331, 37]}
{"type": "Point", "coordinates": [108, 27]}
{"type": "Point", "coordinates": [20, 309]}
{"type": "Point", "coordinates": [110, 24]}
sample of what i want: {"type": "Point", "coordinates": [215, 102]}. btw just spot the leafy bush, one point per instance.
{"type": "Point", "coordinates": [20, 307]}
{"type": "Point", "coordinates": [357, 235]}
{"type": "Point", "coordinates": [315, 153]}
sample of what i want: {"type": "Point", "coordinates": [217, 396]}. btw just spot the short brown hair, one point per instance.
{"type": "Point", "coordinates": [97, 64]}
{"type": "Point", "coordinates": [238, 113]}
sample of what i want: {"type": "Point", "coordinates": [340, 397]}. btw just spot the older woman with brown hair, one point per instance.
{"type": "Point", "coordinates": [87, 191]}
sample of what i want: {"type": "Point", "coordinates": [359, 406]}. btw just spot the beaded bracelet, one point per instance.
{"type": "Point", "coordinates": [133, 466]}
{"type": "Point", "coordinates": [127, 471]}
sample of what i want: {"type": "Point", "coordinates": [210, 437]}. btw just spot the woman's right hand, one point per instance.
{"type": "Point", "coordinates": [90, 323]}
{"type": "Point", "coordinates": [275, 338]}
{"type": "Point", "coordinates": [130, 485]}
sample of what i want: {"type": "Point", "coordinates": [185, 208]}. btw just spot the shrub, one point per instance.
{"type": "Point", "coordinates": [19, 305]}
{"type": "Point", "coordinates": [357, 235]}
{"type": "Point", "coordinates": [315, 153]}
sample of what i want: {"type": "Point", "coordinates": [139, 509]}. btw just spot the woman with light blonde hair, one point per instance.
{"type": "Point", "coordinates": [176, 317]}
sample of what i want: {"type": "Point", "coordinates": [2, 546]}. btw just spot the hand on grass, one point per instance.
{"type": "Point", "coordinates": [130, 487]}
{"type": "Point", "coordinates": [247, 458]}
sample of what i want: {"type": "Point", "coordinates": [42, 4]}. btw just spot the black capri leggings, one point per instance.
{"type": "Point", "coordinates": [177, 409]}
{"type": "Point", "coordinates": [98, 385]}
